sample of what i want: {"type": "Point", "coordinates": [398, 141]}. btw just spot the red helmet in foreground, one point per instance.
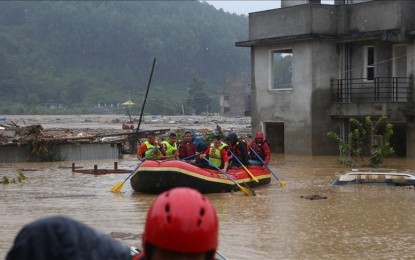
{"type": "Point", "coordinates": [259, 135]}
{"type": "Point", "coordinates": [182, 220]}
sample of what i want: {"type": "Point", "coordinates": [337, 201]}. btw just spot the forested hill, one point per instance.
{"type": "Point", "coordinates": [79, 53]}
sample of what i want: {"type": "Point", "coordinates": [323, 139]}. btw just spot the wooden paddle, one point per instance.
{"type": "Point", "coordinates": [282, 184]}
{"type": "Point", "coordinates": [118, 187]}
{"type": "Point", "coordinates": [246, 169]}
{"type": "Point", "coordinates": [245, 190]}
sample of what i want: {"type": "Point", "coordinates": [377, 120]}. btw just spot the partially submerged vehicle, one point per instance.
{"type": "Point", "coordinates": [389, 177]}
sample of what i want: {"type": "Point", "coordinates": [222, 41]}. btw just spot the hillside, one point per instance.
{"type": "Point", "coordinates": [81, 53]}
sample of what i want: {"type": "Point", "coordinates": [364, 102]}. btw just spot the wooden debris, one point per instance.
{"type": "Point", "coordinates": [100, 171]}
{"type": "Point", "coordinates": [314, 197]}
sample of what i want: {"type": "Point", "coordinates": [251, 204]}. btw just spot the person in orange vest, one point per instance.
{"type": "Point", "coordinates": [181, 224]}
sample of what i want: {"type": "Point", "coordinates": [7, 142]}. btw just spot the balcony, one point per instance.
{"type": "Point", "coordinates": [358, 97]}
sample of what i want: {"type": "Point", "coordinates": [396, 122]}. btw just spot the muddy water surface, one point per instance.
{"type": "Point", "coordinates": [354, 222]}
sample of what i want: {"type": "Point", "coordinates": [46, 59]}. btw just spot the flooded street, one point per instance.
{"type": "Point", "coordinates": [354, 222]}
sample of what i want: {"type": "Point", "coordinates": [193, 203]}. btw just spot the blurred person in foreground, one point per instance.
{"type": "Point", "coordinates": [180, 224]}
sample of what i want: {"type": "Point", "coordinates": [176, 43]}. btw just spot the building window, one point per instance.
{"type": "Point", "coordinates": [369, 63]}
{"type": "Point", "coordinates": [226, 98]}
{"type": "Point", "coordinates": [282, 69]}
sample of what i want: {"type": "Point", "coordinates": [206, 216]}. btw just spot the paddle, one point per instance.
{"type": "Point", "coordinates": [245, 190]}
{"type": "Point", "coordinates": [282, 184]}
{"type": "Point", "coordinates": [118, 187]}
{"type": "Point", "coordinates": [188, 157]}
{"type": "Point", "coordinates": [246, 169]}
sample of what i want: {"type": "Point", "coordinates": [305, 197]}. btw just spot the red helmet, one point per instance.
{"type": "Point", "coordinates": [259, 135]}
{"type": "Point", "coordinates": [182, 220]}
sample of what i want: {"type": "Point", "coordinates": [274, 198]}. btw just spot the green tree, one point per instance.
{"type": "Point", "coordinates": [374, 134]}
{"type": "Point", "coordinates": [80, 52]}
{"type": "Point", "coordinates": [197, 98]}
{"type": "Point", "coordinates": [282, 70]}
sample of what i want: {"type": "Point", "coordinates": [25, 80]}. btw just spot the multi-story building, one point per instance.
{"type": "Point", "coordinates": [314, 66]}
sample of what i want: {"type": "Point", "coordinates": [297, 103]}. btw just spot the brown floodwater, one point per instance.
{"type": "Point", "coordinates": [354, 222]}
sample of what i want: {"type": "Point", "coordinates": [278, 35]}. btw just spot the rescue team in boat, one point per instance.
{"type": "Point", "coordinates": [231, 152]}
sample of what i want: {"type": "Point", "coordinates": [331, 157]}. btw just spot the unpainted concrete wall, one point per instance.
{"type": "Point", "coordinates": [303, 110]}
{"type": "Point", "coordinates": [410, 127]}
{"type": "Point", "coordinates": [64, 152]}
{"type": "Point", "coordinates": [332, 19]}
{"type": "Point", "coordinates": [304, 19]}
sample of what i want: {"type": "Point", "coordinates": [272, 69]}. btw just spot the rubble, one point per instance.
{"type": "Point", "coordinates": [39, 131]}
{"type": "Point", "coordinates": [57, 126]}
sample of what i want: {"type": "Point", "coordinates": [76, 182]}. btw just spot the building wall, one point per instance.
{"type": "Point", "coordinates": [410, 127]}
{"type": "Point", "coordinates": [297, 20]}
{"type": "Point", "coordinates": [389, 15]}
{"type": "Point", "coordinates": [324, 67]}
{"type": "Point", "coordinates": [64, 152]}
{"type": "Point", "coordinates": [279, 106]}
{"type": "Point", "coordinates": [235, 101]}
{"type": "Point", "coordinates": [332, 19]}
{"type": "Point", "coordinates": [304, 111]}
{"type": "Point", "coordinates": [238, 91]}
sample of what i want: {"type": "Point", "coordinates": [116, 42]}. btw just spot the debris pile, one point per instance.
{"type": "Point", "coordinates": [13, 133]}
{"type": "Point", "coordinates": [35, 134]}
{"type": "Point", "coordinates": [41, 133]}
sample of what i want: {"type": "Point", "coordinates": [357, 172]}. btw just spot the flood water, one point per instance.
{"type": "Point", "coordinates": [354, 222]}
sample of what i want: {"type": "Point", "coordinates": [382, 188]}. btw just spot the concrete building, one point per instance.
{"type": "Point", "coordinates": [314, 66]}
{"type": "Point", "coordinates": [235, 100]}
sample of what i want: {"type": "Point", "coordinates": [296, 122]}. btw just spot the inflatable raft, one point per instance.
{"type": "Point", "coordinates": [155, 177]}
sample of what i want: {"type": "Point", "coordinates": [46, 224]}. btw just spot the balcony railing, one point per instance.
{"type": "Point", "coordinates": [381, 89]}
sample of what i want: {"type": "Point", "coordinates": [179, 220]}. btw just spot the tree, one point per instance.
{"type": "Point", "coordinates": [87, 51]}
{"type": "Point", "coordinates": [197, 99]}
{"type": "Point", "coordinates": [374, 134]}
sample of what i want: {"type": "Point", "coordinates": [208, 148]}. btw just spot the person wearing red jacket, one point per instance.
{"type": "Point", "coordinates": [239, 148]}
{"type": "Point", "coordinates": [187, 149]}
{"type": "Point", "coordinates": [261, 147]}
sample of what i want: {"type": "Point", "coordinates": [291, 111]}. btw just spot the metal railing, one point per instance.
{"type": "Point", "coordinates": [380, 89]}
